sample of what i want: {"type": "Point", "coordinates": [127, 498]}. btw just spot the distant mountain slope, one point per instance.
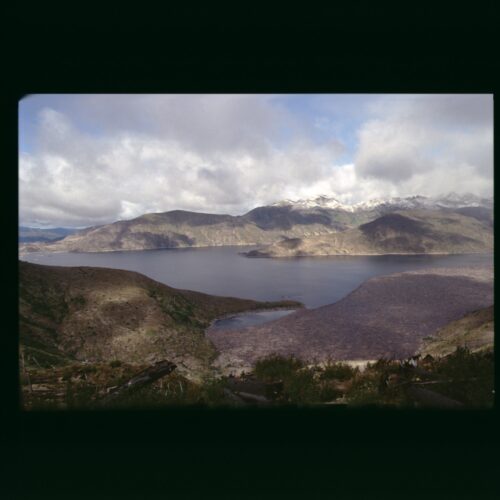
{"type": "Point", "coordinates": [97, 314]}
{"type": "Point", "coordinates": [386, 317]}
{"type": "Point", "coordinates": [261, 226]}
{"type": "Point", "coordinates": [480, 213]}
{"type": "Point", "coordinates": [190, 229]}
{"type": "Point", "coordinates": [412, 231]}
{"type": "Point", "coordinates": [33, 234]}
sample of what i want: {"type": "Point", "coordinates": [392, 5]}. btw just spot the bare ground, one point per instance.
{"type": "Point", "coordinates": [386, 317]}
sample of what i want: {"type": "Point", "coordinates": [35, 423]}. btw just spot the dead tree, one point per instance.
{"type": "Point", "coordinates": [146, 377]}
{"type": "Point", "coordinates": [428, 398]}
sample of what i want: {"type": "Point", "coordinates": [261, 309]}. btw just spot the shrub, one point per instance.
{"type": "Point", "coordinates": [212, 392]}
{"type": "Point", "coordinates": [364, 390]}
{"type": "Point", "coordinates": [470, 376]}
{"type": "Point", "coordinates": [338, 371]}
{"type": "Point", "coordinates": [276, 367]}
{"type": "Point", "coordinates": [329, 392]}
{"type": "Point", "coordinates": [300, 387]}
{"type": "Point", "coordinates": [384, 364]}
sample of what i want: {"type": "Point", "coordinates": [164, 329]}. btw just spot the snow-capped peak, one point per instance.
{"type": "Point", "coordinates": [451, 200]}
{"type": "Point", "coordinates": [318, 202]}
{"type": "Point", "coordinates": [454, 200]}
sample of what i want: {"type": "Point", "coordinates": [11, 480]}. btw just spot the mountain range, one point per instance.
{"type": "Point", "coordinates": [401, 232]}
{"type": "Point", "coordinates": [451, 200]}
{"type": "Point", "coordinates": [302, 222]}
{"type": "Point", "coordinates": [35, 234]}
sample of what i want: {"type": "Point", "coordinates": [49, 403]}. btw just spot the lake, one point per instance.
{"type": "Point", "coordinates": [314, 281]}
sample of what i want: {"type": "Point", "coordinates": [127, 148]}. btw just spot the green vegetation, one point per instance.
{"type": "Point", "coordinates": [79, 386]}
{"type": "Point", "coordinates": [303, 384]}
{"type": "Point", "coordinates": [301, 388]}
{"type": "Point", "coordinates": [465, 377]}
{"type": "Point", "coordinates": [46, 357]}
{"type": "Point", "coordinates": [472, 375]}
{"type": "Point", "coordinates": [338, 371]}
{"type": "Point", "coordinates": [275, 367]}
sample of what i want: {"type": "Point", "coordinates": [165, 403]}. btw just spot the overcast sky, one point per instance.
{"type": "Point", "coordinates": [93, 159]}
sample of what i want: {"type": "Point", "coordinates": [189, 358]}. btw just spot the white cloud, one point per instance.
{"type": "Point", "coordinates": [426, 144]}
{"type": "Point", "coordinates": [128, 155]}
{"type": "Point", "coordinates": [77, 179]}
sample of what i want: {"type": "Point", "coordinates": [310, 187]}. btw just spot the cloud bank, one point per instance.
{"type": "Point", "coordinates": [100, 158]}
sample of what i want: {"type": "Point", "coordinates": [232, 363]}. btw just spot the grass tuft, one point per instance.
{"type": "Point", "coordinates": [275, 367]}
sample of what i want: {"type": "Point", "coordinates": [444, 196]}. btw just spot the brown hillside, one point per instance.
{"type": "Point", "coordinates": [408, 232]}
{"type": "Point", "coordinates": [97, 314]}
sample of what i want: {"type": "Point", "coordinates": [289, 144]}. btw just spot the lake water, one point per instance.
{"type": "Point", "coordinates": [239, 321]}
{"type": "Point", "coordinates": [314, 281]}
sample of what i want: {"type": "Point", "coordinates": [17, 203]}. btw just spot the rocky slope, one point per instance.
{"type": "Point", "coordinates": [96, 314]}
{"type": "Point", "coordinates": [412, 231]}
{"type": "Point", "coordinates": [475, 331]}
{"type": "Point", "coordinates": [386, 317]}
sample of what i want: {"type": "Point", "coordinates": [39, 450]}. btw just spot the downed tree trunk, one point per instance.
{"type": "Point", "coordinates": [268, 390]}
{"type": "Point", "coordinates": [252, 398]}
{"type": "Point", "coordinates": [432, 399]}
{"type": "Point", "coordinates": [149, 375]}
{"type": "Point", "coordinates": [233, 397]}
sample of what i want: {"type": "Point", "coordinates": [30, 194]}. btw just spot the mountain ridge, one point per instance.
{"type": "Point", "coordinates": [266, 225]}
{"type": "Point", "coordinates": [400, 232]}
{"type": "Point", "coordinates": [451, 200]}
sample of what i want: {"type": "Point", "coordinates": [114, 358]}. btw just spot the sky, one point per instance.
{"type": "Point", "coordinates": [89, 159]}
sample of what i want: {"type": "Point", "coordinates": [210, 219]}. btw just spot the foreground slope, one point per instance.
{"type": "Point", "coordinates": [96, 314]}
{"type": "Point", "coordinates": [402, 232]}
{"type": "Point", "coordinates": [386, 317]}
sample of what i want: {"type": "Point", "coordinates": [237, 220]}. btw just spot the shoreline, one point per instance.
{"type": "Point", "coordinates": [260, 309]}
{"type": "Point", "coordinates": [45, 251]}
{"type": "Point", "coordinates": [395, 331]}
{"type": "Point", "coordinates": [22, 252]}
{"type": "Point", "coordinates": [358, 255]}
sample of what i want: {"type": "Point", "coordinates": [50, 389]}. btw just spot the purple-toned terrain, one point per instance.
{"type": "Point", "coordinates": [386, 317]}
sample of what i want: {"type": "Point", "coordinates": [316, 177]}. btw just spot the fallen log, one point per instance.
{"type": "Point", "coordinates": [431, 399]}
{"type": "Point", "coordinates": [252, 398]}
{"type": "Point", "coordinates": [233, 397]}
{"type": "Point", "coordinates": [149, 375]}
{"type": "Point", "coordinates": [268, 390]}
